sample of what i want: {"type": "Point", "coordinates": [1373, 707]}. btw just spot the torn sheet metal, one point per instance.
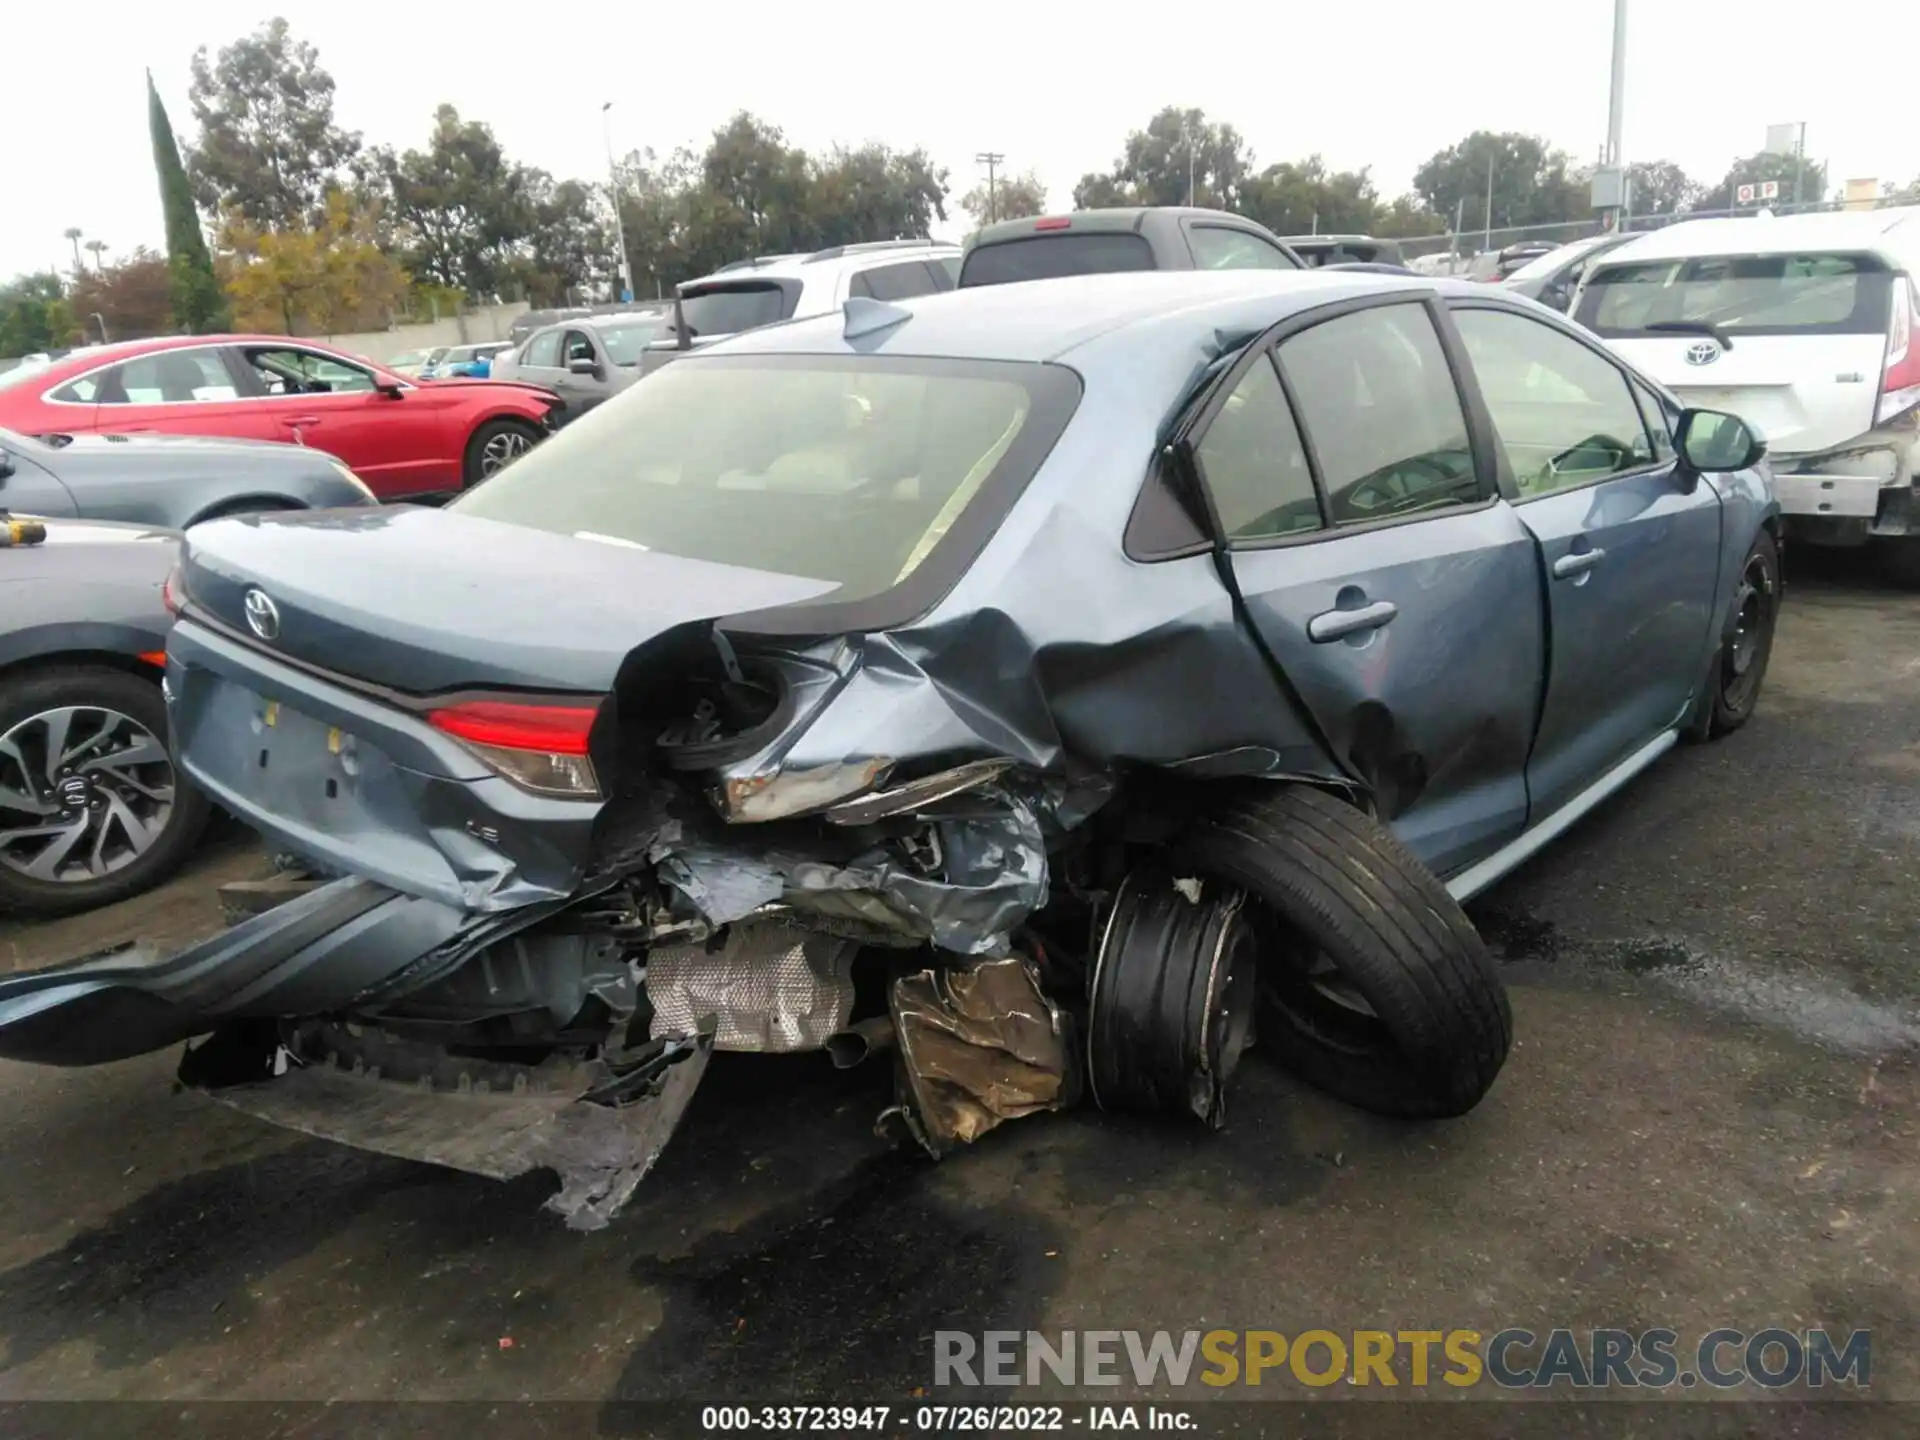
{"type": "Point", "coordinates": [768, 986]}
{"type": "Point", "coordinates": [989, 874]}
{"type": "Point", "coordinates": [979, 1044]}
{"type": "Point", "coordinates": [600, 1152]}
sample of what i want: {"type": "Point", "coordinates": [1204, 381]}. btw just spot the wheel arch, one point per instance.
{"type": "Point", "coordinates": [247, 504]}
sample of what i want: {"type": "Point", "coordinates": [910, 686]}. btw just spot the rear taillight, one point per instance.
{"type": "Point", "coordinates": [1054, 222]}
{"type": "Point", "coordinates": [542, 748]}
{"type": "Point", "coordinates": [173, 591]}
{"type": "Point", "coordinates": [1900, 381]}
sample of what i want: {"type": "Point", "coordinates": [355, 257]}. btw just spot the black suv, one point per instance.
{"type": "Point", "coordinates": [1090, 242]}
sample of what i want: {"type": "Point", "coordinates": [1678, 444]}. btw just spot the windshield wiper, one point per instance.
{"type": "Point", "coordinates": [1692, 327]}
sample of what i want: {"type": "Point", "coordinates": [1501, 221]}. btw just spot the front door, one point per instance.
{"type": "Point", "coordinates": [322, 400]}
{"type": "Point", "coordinates": [1398, 593]}
{"type": "Point", "coordinates": [1630, 551]}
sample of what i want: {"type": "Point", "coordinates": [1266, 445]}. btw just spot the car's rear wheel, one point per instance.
{"type": "Point", "coordinates": [1748, 644]}
{"type": "Point", "coordinates": [92, 809]}
{"type": "Point", "coordinates": [1374, 986]}
{"type": "Point", "coordinates": [496, 445]}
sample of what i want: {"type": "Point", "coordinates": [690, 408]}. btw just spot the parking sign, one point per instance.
{"type": "Point", "coordinates": [1770, 190]}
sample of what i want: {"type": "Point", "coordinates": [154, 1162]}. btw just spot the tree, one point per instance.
{"type": "Point", "coordinates": [133, 297]}
{"type": "Point", "coordinates": [1532, 183]}
{"type": "Point", "coordinates": [98, 249]}
{"type": "Point", "coordinates": [1660, 187]}
{"type": "Point", "coordinates": [757, 192]}
{"type": "Point", "coordinates": [873, 193]}
{"type": "Point", "coordinates": [570, 245]}
{"type": "Point", "coordinates": [199, 307]}
{"type": "Point", "coordinates": [1298, 198]}
{"type": "Point", "coordinates": [465, 210]}
{"type": "Point", "coordinates": [72, 234]}
{"type": "Point", "coordinates": [1179, 155]}
{"type": "Point", "coordinates": [1756, 170]}
{"type": "Point", "coordinates": [35, 315]}
{"type": "Point", "coordinates": [1012, 196]}
{"type": "Point", "coordinates": [1407, 218]}
{"type": "Point", "coordinates": [269, 148]}
{"type": "Point", "coordinates": [331, 277]}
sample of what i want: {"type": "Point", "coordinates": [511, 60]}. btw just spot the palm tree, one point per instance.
{"type": "Point", "coordinates": [73, 235]}
{"type": "Point", "coordinates": [99, 249]}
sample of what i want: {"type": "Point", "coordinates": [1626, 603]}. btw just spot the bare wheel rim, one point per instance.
{"type": "Point", "coordinates": [502, 449]}
{"type": "Point", "coordinates": [1753, 607]}
{"type": "Point", "coordinates": [84, 791]}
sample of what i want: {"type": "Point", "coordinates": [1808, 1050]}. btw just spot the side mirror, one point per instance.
{"type": "Point", "coordinates": [392, 392]}
{"type": "Point", "coordinates": [584, 367]}
{"type": "Point", "coordinates": [1714, 442]}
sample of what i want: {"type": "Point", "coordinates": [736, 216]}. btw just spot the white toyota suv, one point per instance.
{"type": "Point", "coordinates": [770, 288]}
{"type": "Point", "coordinates": [1805, 327]}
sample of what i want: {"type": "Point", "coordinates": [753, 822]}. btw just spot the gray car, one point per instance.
{"type": "Point", "coordinates": [1033, 683]}
{"type": "Point", "coordinates": [171, 480]}
{"type": "Point", "coordinates": [586, 359]}
{"type": "Point", "coordinates": [1553, 277]}
{"type": "Point", "coordinates": [92, 809]}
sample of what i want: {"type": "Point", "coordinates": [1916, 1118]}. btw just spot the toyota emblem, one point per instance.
{"type": "Point", "coordinates": [1702, 352]}
{"type": "Point", "coordinates": [263, 616]}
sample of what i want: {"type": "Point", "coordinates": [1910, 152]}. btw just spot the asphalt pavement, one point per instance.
{"type": "Point", "coordinates": [1708, 1120]}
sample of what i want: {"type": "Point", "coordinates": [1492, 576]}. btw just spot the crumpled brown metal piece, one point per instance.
{"type": "Point", "coordinates": [979, 1043]}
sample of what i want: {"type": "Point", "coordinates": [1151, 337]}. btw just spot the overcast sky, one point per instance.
{"type": "Point", "coordinates": [1055, 86]}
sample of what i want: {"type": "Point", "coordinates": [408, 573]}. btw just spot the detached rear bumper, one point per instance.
{"type": "Point", "coordinates": [344, 944]}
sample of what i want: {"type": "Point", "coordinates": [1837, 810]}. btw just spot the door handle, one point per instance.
{"type": "Point", "coordinates": [1577, 563]}
{"type": "Point", "coordinates": [1338, 624]}
{"type": "Point", "coordinates": [300, 422]}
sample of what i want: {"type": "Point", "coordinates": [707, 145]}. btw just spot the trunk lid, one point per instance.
{"type": "Point", "coordinates": [459, 602]}
{"type": "Point", "coordinates": [1804, 393]}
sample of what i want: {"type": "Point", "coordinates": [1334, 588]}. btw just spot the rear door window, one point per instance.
{"type": "Point", "coordinates": [1055, 254]}
{"type": "Point", "coordinates": [1381, 414]}
{"type": "Point", "coordinates": [1221, 247]}
{"type": "Point", "coordinates": [1786, 294]}
{"type": "Point", "coordinates": [170, 377]}
{"type": "Point", "coordinates": [729, 309]}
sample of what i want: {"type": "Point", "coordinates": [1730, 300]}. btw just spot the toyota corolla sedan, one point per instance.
{"type": "Point", "coordinates": [1054, 689]}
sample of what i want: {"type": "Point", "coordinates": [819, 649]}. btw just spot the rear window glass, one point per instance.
{"type": "Point", "coordinates": [729, 309]}
{"type": "Point", "coordinates": [845, 470]}
{"type": "Point", "coordinates": [1056, 254]}
{"type": "Point", "coordinates": [1815, 294]}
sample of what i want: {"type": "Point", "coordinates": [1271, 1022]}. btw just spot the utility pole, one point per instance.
{"type": "Point", "coordinates": [1799, 163]}
{"type": "Point", "coordinates": [1616, 112]}
{"type": "Point", "coordinates": [613, 189]}
{"type": "Point", "coordinates": [1488, 243]}
{"type": "Point", "coordinates": [1187, 130]}
{"type": "Point", "coordinates": [992, 159]}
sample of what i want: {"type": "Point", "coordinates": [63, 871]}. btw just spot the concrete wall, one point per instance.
{"type": "Point", "coordinates": [490, 322]}
{"type": "Point", "coordinates": [476, 327]}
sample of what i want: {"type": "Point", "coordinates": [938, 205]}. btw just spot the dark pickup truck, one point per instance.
{"type": "Point", "coordinates": [1088, 242]}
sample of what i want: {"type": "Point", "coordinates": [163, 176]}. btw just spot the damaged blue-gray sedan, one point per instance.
{"type": "Point", "coordinates": [1055, 689]}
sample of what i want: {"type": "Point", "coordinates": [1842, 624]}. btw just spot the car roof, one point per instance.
{"type": "Point", "coordinates": [860, 256]}
{"type": "Point", "coordinates": [1041, 320]}
{"type": "Point", "coordinates": [1107, 217]}
{"type": "Point", "coordinates": [1777, 234]}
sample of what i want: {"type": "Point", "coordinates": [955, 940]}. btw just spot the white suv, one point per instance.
{"type": "Point", "coordinates": [1805, 327]}
{"type": "Point", "coordinates": [772, 288]}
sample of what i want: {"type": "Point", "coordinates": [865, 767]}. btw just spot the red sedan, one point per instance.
{"type": "Point", "coordinates": [405, 438]}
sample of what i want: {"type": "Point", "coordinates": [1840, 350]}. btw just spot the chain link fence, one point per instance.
{"type": "Point", "coordinates": [1454, 253]}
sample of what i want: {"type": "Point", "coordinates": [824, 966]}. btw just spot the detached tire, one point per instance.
{"type": "Point", "coordinates": [1374, 985]}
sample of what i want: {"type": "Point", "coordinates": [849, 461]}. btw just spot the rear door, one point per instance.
{"type": "Point", "coordinates": [1801, 338]}
{"type": "Point", "coordinates": [1630, 550]}
{"type": "Point", "coordinates": [175, 392]}
{"type": "Point", "coordinates": [1397, 592]}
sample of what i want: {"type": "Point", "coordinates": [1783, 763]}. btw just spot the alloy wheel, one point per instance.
{"type": "Point", "coordinates": [501, 450]}
{"type": "Point", "coordinates": [84, 791]}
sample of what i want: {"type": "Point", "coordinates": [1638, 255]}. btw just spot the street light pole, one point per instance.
{"type": "Point", "coordinates": [1488, 245]}
{"type": "Point", "coordinates": [1616, 113]}
{"type": "Point", "coordinates": [613, 188]}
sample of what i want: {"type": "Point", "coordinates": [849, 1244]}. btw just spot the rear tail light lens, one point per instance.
{"type": "Point", "coordinates": [541, 748]}
{"type": "Point", "coordinates": [1056, 222]}
{"type": "Point", "coordinates": [1900, 383]}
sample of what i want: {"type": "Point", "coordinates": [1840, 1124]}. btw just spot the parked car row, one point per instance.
{"type": "Point", "coordinates": [987, 666]}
